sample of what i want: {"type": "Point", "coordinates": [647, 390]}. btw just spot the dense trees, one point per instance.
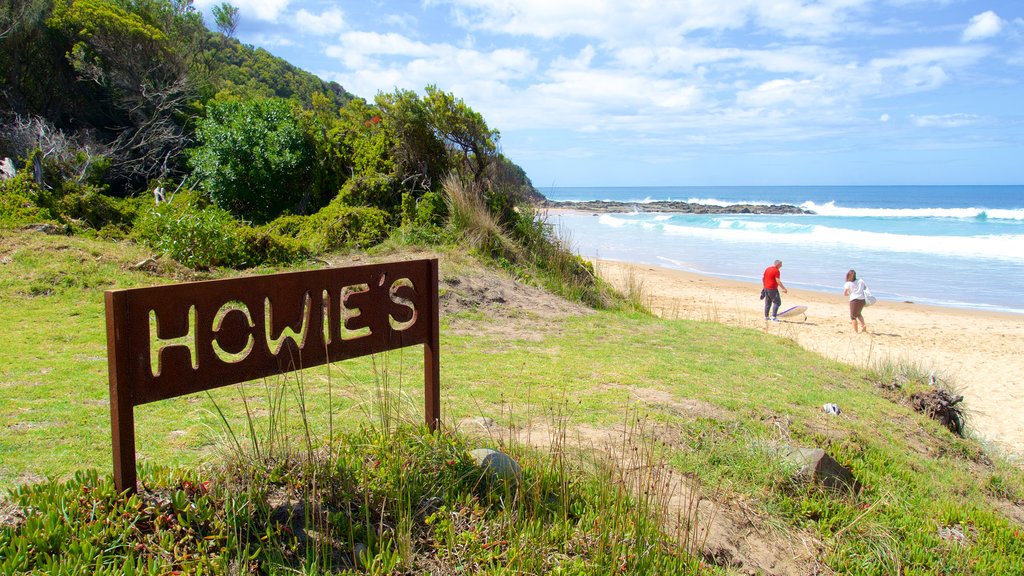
{"type": "Point", "coordinates": [127, 79]}
{"type": "Point", "coordinates": [260, 161]}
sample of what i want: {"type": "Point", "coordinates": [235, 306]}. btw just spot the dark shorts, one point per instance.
{"type": "Point", "coordinates": [856, 307]}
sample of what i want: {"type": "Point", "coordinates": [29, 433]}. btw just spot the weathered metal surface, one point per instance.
{"type": "Point", "coordinates": [167, 341]}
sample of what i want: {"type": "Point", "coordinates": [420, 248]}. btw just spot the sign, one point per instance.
{"type": "Point", "coordinates": [167, 341]}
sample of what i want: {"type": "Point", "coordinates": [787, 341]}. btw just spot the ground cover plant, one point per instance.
{"type": "Point", "coordinates": [520, 373]}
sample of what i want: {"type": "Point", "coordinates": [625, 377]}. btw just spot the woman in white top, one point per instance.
{"type": "Point", "coordinates": [855, 289]}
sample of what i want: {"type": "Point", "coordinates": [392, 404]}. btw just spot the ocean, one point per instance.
{"type": "Point", "coordinates": [954, 246]}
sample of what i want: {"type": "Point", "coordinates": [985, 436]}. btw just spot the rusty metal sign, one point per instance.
{"type": "Point", "coordinates": [167, 341]}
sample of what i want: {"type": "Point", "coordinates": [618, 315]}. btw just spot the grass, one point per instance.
{"type": "Point", "coordinates": [706, 403]}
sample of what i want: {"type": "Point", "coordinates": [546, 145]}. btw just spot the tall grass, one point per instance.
{"type": "Point", "coordinates": [390, 497]}
{"type": "Point", "coordinates": [522, 241]}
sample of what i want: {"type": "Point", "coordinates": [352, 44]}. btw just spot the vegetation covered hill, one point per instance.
{"type": "Point", "coordinates": [118, 85]}
{"type": "Point", "coordinates": [646, 446]}
{"type": "Point", "coordinates": [129, 118]}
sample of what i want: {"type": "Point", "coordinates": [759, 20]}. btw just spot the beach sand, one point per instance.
{"type": "Point", "coordinates": [980, 353]}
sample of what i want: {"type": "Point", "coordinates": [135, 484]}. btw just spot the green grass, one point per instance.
{"type": "Point", "coordinates": [716, 402]}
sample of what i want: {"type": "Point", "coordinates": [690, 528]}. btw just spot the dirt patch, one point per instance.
{"type": "Point", "coordinates": [688, 408]}
{"type": "Point", "coordinates": [725, 531]}
{"type": "Point", "coordinates": [11, 516]}
{"type": "Point", "coordinates": [502, 307]}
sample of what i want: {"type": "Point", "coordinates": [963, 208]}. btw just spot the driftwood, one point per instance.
{"type": "Point", "coordinates": [7, 170]}
{"type": "Point", "coordinates": [942, 406]}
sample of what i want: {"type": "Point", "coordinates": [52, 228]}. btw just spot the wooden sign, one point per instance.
{"type": "Point", "coordinates": [167, 341]}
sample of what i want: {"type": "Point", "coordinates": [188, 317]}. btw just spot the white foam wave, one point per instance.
{"type": "Point", "coordinates": [1008, 247]}
{"type": "Point", "coordinates": [717, 202]}
{"type": "Point", "coordinates": [830, 209]}
{"type": "Point", "coordinates": [614, 222]}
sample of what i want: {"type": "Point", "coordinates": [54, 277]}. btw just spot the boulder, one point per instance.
{"type": "Point", "coordinates": [815, 465]}
{"type": "Point", "coordinates": [501, 467]}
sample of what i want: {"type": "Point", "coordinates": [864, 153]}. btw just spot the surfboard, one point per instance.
{"type": "Point", "coordinates": [794, 311]}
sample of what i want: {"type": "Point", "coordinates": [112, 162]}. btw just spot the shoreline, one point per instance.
{"type": "Point", "coordinates": [924, 301]}
{"type": "Point", "coordinates": [978, 351]}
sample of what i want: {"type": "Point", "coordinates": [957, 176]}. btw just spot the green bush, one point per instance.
{"type": "Point", "coordinates": [431, 209]}
{"type": "Point", "coordinates": [289, 225]}
{"type": "Point", "coordinates": [377, 190]}
{"type": "Point", "coordinates": [264, 245]}
{"type": "Point", "coordinates": [194, 236]}
{"type": "Point", "coordinates": [18, 202]}
{"type": "Point", "coordinates": [339, 226]}
{"type": "Point", "coordinates": [253, 159]}
{"type": "Point", "coordinates": [88, 206]}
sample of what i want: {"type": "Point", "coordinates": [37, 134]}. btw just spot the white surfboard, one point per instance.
{"type": "Point", "coordinates": [794, 311]}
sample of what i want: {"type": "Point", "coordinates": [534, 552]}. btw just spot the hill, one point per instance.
{"type": "Point", "coordinates": [123, 83]}
{"type": "Point", "coordinates": [691, 421]}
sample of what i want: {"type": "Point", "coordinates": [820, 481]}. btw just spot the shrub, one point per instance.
{"type": "Point", "coordinates": [289, 225]}
{"type": "Point", "coordinates": [339, 226]}
{"type": "Point", "coordinates": [90, 207]}
{"type": "Point", "coordinates": [431, 209]}
{"type": "Point", "coordinates": [377, 190]}
{"type": "Point", "coordinates": [194, 236]}
{"type": "Point", "coordinates": [264, 245]}
{"type": "Point", "coordinates": [253, 158]}
{"type": "Point", "coordinates": [18, 202]}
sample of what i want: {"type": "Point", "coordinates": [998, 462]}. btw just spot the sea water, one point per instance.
{"type": "Point", "coordinates": [958, 246]}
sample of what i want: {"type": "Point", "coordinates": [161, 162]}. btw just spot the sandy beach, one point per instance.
{"type": "Point", "coordinates": [981, 353]}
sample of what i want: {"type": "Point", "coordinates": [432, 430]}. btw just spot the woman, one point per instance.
{"type": "Point", "coordinates": [855, 289]}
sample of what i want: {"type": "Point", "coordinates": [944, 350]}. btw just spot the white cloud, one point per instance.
{"type": "Point", "coordinates": [805, 19]}
{"type": "Point", "coordinates": [382, 62]}
{"type": "Point", "coordinates": [328, 22]}
{"type": "Point", "coordinates": [268, 10]}
{"type": "Point", "coordinates": [784, 93]}
{"type": "Point", "coordinates": [945, 120]}
{"type": "Point", "coordinates": [884, 118]}
{"type": "Point", "coordinates": [614, 21]}
{"type": "Point", "coordinates": [270, 40]}
{"type": "Point", "coordinates": [984, 25]}
{"type": "Point", "coordinates": [918, 69]}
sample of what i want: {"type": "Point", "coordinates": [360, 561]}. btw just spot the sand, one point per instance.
{"type": "Point", "coordinates": [980, 353]}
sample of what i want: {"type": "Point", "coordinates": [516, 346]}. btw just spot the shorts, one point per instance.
{"type": "Point", "coordinates": [856, 307]}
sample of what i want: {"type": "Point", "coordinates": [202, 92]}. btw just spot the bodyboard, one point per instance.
{"type": "Point", "coordinates": [794, 311]}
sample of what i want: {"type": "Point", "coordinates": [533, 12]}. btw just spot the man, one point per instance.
{"type": "Point", "coordinates": [772, 284]}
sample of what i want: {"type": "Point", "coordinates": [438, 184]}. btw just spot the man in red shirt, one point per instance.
{"type": "Point", "coordinates": [772, 284]}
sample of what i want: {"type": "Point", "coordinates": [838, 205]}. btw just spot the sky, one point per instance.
{"type": "Point", "coordinates": [692, 92]}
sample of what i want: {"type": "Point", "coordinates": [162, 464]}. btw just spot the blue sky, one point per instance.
{"type": "Point", "coordinates": [693, 92]}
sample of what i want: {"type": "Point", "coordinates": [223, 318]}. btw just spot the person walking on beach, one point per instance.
{"type": "Point", "coordinates": [772, 284]}
{"type": "Point", "coordinates": [857, 291]}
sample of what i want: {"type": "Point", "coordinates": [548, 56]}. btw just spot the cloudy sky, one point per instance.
{"type": "Point", "coordinates": [693, 92]}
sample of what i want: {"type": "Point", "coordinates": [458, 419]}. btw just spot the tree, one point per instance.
{"type": "Point", "coordinates": [463, 130]}
{"type": "Point", "coordinates": [24, 50]}
{"type": "Point", "coordinates": [226, 17]}
{"type": "Point", "coordinates": [136, 55]}
{"type": "Point", "coordinates": [419, 155]}
{"type": "Point", "coordinates": [253, 159]}
{"type": "Point", "coordinates": [16, 15]}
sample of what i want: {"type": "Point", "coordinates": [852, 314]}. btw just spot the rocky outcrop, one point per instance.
{"type": "Point", "coordinates": [601, 206]}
